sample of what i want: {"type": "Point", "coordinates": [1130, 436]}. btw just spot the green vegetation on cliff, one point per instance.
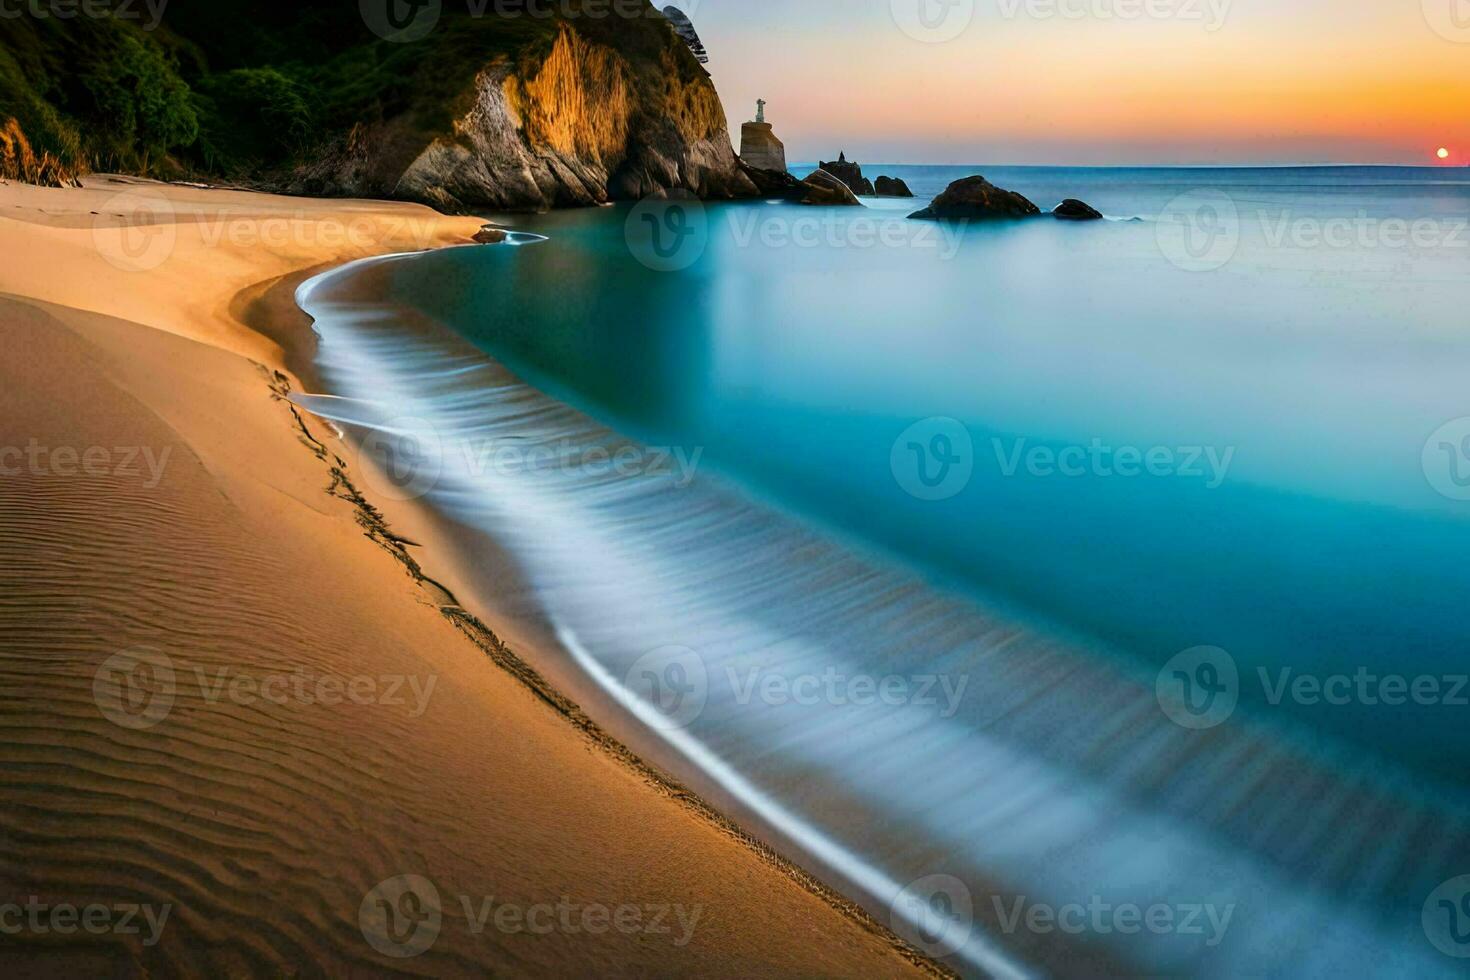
{"type": "Point", "coordinates": [237, 89]}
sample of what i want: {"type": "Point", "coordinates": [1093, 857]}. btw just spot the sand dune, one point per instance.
{"type": "Point", "coordinates": [230, 715]}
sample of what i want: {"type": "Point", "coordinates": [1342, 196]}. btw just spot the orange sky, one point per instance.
{"type": "Point", "coordinates": [1274, 81]}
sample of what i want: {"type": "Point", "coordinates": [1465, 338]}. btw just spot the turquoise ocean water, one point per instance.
{"type": "Point", "coordinates": [992, 567]}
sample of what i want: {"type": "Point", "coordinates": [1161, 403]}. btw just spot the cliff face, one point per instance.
{"type": "Point", "coordinates": [585, 125]}
{"type": "Point", "coordinates": [584, 103]}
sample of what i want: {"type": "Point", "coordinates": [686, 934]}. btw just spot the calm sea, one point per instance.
{"type": "Point", "coordinates": [1007, 575]}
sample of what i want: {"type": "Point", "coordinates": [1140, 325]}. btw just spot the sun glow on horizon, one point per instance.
{"type": "Point", "coordinates": [1266, 85]}
{"type": "Point", "coordinates": [1443, 154]}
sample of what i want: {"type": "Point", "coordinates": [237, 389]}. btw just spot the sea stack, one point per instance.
{"type": "Point", "coordinates": [850, 173]}
{"type": "Point", "coordinates": [759, 147]}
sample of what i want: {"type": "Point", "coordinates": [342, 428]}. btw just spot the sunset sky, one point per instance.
{"type": "Point", "coordinates": [1274, 81]}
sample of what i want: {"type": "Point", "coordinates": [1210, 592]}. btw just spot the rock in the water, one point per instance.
{"type": "Point", "coordinates": [1074, 210]}
{"type": "Point", "coordinates": [822, 188]}
{"type": "Point", "coordinates": [976, 197]}
{"type": "Point", "coordinates": [489, 235]}
{"type": "Point", "coordinates": [850, 174]}
{"type": "Point", "coordinates": [892, 187]}
{"type": "Point", "coordinates": [774, 183]}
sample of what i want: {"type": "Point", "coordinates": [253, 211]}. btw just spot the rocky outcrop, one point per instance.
{"type": "Point", "coordinates": [774, 183]}
{"type": "Point", "coordinates": [976, 197]}
{"type": "Point", "coordinates": [850, 174]}
{"type": "Point", "coordinates": [821, 188]}
{"type": "Point", "coordinates": [684, 27]}
{"type": "Point", "coordinates": [586, 124]}
{"type": "Point", "coordinates": [892, 187]}
{"type": "Point", "coordinates": [760, 148]}
{"type": "Point", "coordinates": [1074, 210]}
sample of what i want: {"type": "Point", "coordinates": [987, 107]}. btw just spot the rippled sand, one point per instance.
{"type": "Point", "coordinates": [168, 596]}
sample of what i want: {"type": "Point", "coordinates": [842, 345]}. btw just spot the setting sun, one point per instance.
{"type": "Point", "coordinates": [1443, 153]}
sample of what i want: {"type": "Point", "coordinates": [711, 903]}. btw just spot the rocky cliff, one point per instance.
{"type": "Point", "coordinates": [585, 103]}
{"type": "Point", "coordinates": [585, 125]}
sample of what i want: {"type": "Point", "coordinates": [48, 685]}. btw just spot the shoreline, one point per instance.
{"type": "Point", "coordinates": [184, 356]}
{"type": "Point", "coordinates": [378, 527]}
{"type": "Point", "coordinates": [1255, 762]}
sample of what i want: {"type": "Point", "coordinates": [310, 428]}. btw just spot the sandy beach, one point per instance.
{"type": "Point", "coordinates": [245, 731]}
